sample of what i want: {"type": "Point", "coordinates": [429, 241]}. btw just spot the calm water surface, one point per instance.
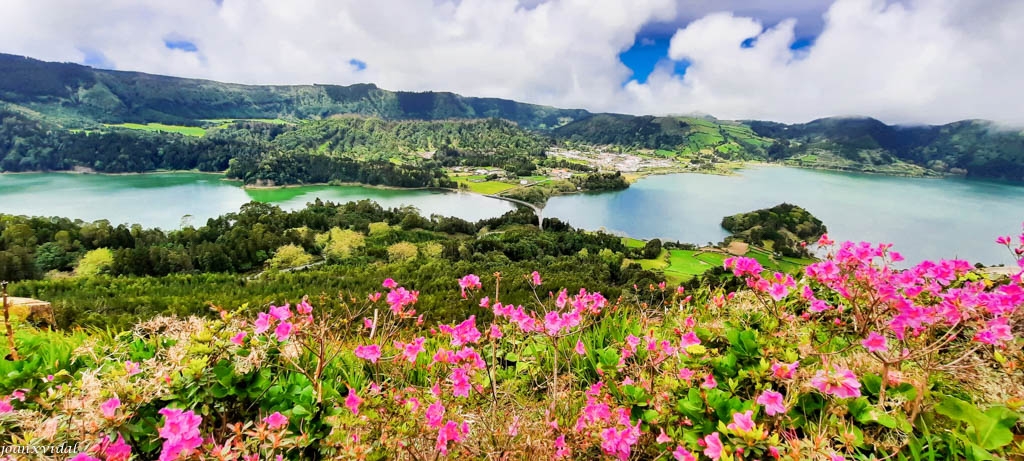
{"type": "Point", "coordinates": [164, 199]}
{"type": "Point", "coordinates": [924, 218]}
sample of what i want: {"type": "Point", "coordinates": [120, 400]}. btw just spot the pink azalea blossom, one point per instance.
{"type": "Point", "coordinates": [84, 457]}
{"type": "Point", "coordinates": [713, 446]}
{"type": "Point", "coordinates": [389, 283]}
{"type": "Point", "coordinates": [709, 382]}
{"type": "Point", "coordinates": [561, 450]}
{"type": "Point", "coordinates": [663, 437]}
{"type": "Point", "coordinates": [840, 382]}
{"type": "Point", "coordinates": [369, 352]}
{"type": "Point", "coordinates": [263, 323]}
{"type": "Point", "coordinates": [742, 422]}
{"type": "Point", "coordinates": [412, 349]}
{"type": "Point", "coordinates": [131, 368]}
{"type": "Point", "coordinates": [451, 432]}
{"type": "Point", "coordinates": [875, 343]}
{"type": "Point", "coordinates": [689, 339]}
{"type": "Point", "coordinates": [580, 348]}
{"type": "Point", "coordinates": [109, 408]}
{"type": "Point", "coordinates": [276, 421]}
{"type": "Point", "coordinates": [772, 402]}
{"type": "Point", "coordinates": [353, 401]}
{"type": "Point", "coordinates": [463, 333]}
{"type": "Point", "coordinates": [281, 312]}
{"type": "Point", "coordinates": [5, 405]}
{"type": "Point", "coordinates": [283, 331]}
{"type": "Point", "coordinates": [374, 297]}
{"type": "Point", "coordinates": [535, 278]}
{"type": "Point", "coordinates": [435, 413]}
{"type": "Point", "coordinates": [485, 302]}
{"type": "Point", "coordinates": [180, 433]}
{"type": "Point", "coordinates": [239, 338]}
{"type": "Point", "coordinates": [682, 454]}
{"type": "Point", "coordinates": [19, 394]}
{"type": "Point", "coordinates": [304, 307]}
{"type": "Point", "coordinates": [495, 332]}
{"type": "Point", "coordinates": [469, 282]}
{"type": "Point", "coordinates": [784, 370]}
{"type": "Point", "coordinates": [117, 451]}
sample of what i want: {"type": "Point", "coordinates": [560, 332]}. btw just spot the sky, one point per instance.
{"type": "Point", "coordinates": [902, 61]}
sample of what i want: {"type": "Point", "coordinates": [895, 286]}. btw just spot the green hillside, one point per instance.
{"type": "Point", "coordinates": [81, 95]}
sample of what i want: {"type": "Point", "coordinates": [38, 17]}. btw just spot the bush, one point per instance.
{"type": "Point", "coordinates": [95, 262]}
{"type": "Point", "coordinates": [289, 256]}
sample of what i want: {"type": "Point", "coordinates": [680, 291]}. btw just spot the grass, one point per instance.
{"type": "Point", "coordinates": [475, 184]}
{"type": "Point", "coordinates": [185, 130]}
{"type": "Point", "coordinates": [633, 243]}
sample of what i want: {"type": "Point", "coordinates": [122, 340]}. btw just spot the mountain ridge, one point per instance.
{"type": "Point", "coordinates": [82, 97]}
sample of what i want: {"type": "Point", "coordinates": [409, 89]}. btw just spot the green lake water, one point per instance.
{"type": "Point", "coordinates": [165, 199]}
{"type": "Point", "coordinates": [924, 218]}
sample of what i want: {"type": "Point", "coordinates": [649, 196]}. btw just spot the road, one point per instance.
{"type": "Point", "coordinates": [536, 209]}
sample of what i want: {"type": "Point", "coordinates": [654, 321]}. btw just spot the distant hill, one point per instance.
{"type": "Point", "coordinates": [682, 135]}
{"type": "Point", "coordinates": [80, 94]}
{"type": "Point", "coordinates": [39, 97]}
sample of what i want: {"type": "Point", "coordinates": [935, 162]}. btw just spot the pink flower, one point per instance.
{"type": "Point", "coordinates": [772, 402]}
{"type": "Point", "coordinates": [276, 420]}
{"type": "Point", "coordinates": [580, 348]}
{"type": "Point", "coordinates": [470, 282]}
{"type": "Point", "coordinates": [304, 308]}
{"type": "Point", "coordinates": [451, 432]}
{"type": "Point", "coordinates": [412, 349]}
{"type": "Point", "coordinates": [263, 322]}
{"type": "Point", "coordinates": [370, 352]}
{"type": "Point", "coordinates": [19, 394]}
{"type": "Point", "coordinates": [496, 332]}
{"type": "Point", "coordinates": [713, 446]}
{"type": "Point", "coordinates": [709, 382]}
{"type": "Point", "coordinates": [435, 413]}
{"type": "Point", "coordinates": [778, 291]}
{"type": "Point", "coordinates": [109, 408]}
{"type": "Point", "coordinates": [389, 283]}
{"type": "Point", "coordinates": [485, 302]}
{"type": "Point", "coordinates": [840, 382]}
{"type": "Point", "coordinates": [117, 451]}
{"type": "Point", "coordinates": [682, 454]}
{"type": "Point", "coordinates": [353, 401]}
{"type": "Point", "coordinates": [784, 370]}
{"type": "Point", "coordinates": [689, 339]}
{"type": "Point", "coordinates": [281, 312]}
{"type": "Point", "coordinates": [180, 433]}
{"type": "Point", "coordinates": [239, 338]}
{"type": "Point", "coordinates": [1003, 240]}
{"type": "Point", "coordinates": [663, 437]}
{"type": "Point", "coordinates": [131, 368]}
{"type": "Point", "coordinates": [875, 343]}
{"type": "Point", "coordinates": [84, 457]}
{"type": "Point", "coordinates": [686, 374]}
{"type": "Point", "coordinates": [535, 276]}
{"type": "Point", "coordinates": [996, 332]}
{"type": "Point", "coordinates": [742, 422]}
{"type": "Point", "coordinates": [283, 331]}
{"type": "Point", "coordinates": [5, 405]}
{"type": "Point", "coordinates": [561, 450]}
{"type": "Point", "coordinates": [374, 297]}
{"type": "Point", "coordinates": [463, 333]}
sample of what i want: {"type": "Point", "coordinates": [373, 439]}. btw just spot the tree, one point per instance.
{"type": "Point", "coordinates": [652, 249]}
{"type": "Point", "coordinates": [289, 256]}
{"type": "Point", "coordinates": [338, 244]}
{"type": "Point", "coordinates": [402, 251]}
{"type": "Point", "coordinates": [95, 262]}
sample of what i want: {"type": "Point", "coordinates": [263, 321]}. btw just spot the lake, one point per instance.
{"type": "Point", "coordinates": [925, 218]}
{"type": "Point", "coordinates": [164, 199]}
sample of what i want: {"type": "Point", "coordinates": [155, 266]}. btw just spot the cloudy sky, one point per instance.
{"type": "Point", "coordinates": [910, 61]}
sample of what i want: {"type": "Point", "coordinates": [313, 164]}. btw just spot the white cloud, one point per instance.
{"type": "Point", "coordinates": [922, 61]}
{"type": "Point", "coordinates": [929, 61]}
